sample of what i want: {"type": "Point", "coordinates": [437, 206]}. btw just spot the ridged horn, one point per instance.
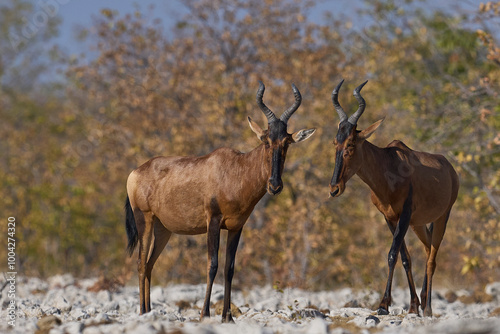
{"type": "Point", "coordinates": [362, 104]}
{"type": "Point", "coordinates": [269, 114]}
{"type": "Point", "coordinates": [298, 100]}
{"type": "Point", "coordinates": [336, 104]}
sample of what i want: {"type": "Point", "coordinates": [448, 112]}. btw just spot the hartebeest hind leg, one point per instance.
{"type": "Point", "coordinates": [397, 242]}
{"type": "Point", "coordinates": [233, 238]}
{"type": "Point", "coordinates": [406, 260]}
{"type": "Point", "coordinates": [144, 223]}
{"type": "Point", "coordinates": [439, 227]}
{"type": "Point", "coordinates": [213, 237]}
{"type": "Point", "coordinates": [424, 234]}
{"type": "Point", "coordinates": [161, 237]}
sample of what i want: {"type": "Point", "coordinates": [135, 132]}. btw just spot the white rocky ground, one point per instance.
{"type": "Point", "coordinates": [63, 304]}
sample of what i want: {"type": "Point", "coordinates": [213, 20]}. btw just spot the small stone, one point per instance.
{"type": "Point", "coordinates": [235, 311]}
{"type": "Point", "coordinates": [79, 314]}
{"type": "Point", "coordinates": [103, 318]}
{"type": "Point", "coordinates": [183, 305]}
{"type": "Point", "coordinates": [33, 312]}
{"type": "Point", "coordinates": [450, 296]}
{"type": "Point", "coordinates": [51, 311]}
{"type": "Point", "coordinates": [103, 296]}
{"type": "Point", "coordinates": [61, 303]}
{"type": "Point", "coordinates": [45, 324]}
{"type": "Point", "coordinates": [311, 313]}
{"type": "Point", "coordinates": [100, 319]}
{"type": "Point", "coordinates": [317, 326]}
{"type": "Point", "coordinates": [174, 317]}
{"type": "Point", "coordinates": [395, 322]}
{"type": "Point", "coordinates": [74, 328]}
{"type": "Point", "coordinates": [493, 289]}
{"type": "Point", "coordinates": [372, 321]}
{"type": "Point", "coordinates": [396, 311]}
{"type": "Point", "coordinates": [91, 311]}
{"type": "Point", "coordinates": [111, 306]}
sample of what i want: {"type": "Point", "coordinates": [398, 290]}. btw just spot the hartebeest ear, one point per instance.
{"type": "Point", "coordinates": [366, 133]}
{"type": "Point", "coordinates": [302, 135]}
{"type": "Point", "coordinates": [256, 128]}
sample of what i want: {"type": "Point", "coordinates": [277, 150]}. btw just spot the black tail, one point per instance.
{"type": "Point", "coordinates": [131, 228]}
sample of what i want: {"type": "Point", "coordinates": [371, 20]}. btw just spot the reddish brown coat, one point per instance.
{"type": "Point", "coordinates": [196, 195]}
{"type": "Point", "coordinates": [408, 187]}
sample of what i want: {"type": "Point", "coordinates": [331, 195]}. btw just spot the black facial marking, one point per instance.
{"type": "Point", "coordinates": [277, 130]}
{"type": "Point", "coordinates": [345, 129]}
{"type": "Point", "coordinates": [277, 133]}
{"type": "Point", "coordinates": [339, 161]}
{"type": "Point", "coordinates": [276, 167]}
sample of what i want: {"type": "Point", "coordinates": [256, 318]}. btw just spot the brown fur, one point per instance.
{"type": "Point", "coordinates": [197, 195]}
{"type": "Point", "coordinates": [390, 173]}
{"type": "Point", "coordinates": [179, 190]}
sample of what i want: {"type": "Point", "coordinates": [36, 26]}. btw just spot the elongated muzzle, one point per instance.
{"type": "Point", "coordinates": [337, 190]}
{"type": "Point", "coordinates": [337, 186]}
{"type": "Point", "coordinates": [275, 185]}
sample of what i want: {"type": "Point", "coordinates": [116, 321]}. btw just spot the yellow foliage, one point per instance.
{"type": "Point", "coordinates": [146, 94]}
{"type": "Point", "coordinates": [470, 264]}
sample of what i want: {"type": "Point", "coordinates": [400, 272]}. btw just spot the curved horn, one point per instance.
{"type": "Point", "coordinates": [357, 94]}
{"type": "Point", "coordinates": [289, 112]}
{"type": "Point", "coordinates": [336, 104]}
{"type": "Point", "coordinates": [269, 114]}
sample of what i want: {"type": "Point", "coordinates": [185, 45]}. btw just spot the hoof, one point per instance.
{"type": "Point", "coordinates": [414, 310]}
{"type": "Point", "coordinates": [228, 320]}
{"type": "Point", "coordinates": [428, 312]}
{"type": "Point", "coordinates": [382, 311]}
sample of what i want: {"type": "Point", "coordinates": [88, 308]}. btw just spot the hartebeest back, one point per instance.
{"type": "Point", "coordinates": [409, 188]}
{"type": "Point", "coordinates": [196, 195]}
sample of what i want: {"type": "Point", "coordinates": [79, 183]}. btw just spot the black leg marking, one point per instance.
{"type": "Point", "coordinates": [213, 237]}
{"type": "Point", "coordinates": [397, 242]}
{"type": "Point", "coordinates": [233, 239]}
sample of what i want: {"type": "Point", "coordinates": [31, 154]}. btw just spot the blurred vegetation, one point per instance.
{"type": "Point", "coordinates": [74, 127]}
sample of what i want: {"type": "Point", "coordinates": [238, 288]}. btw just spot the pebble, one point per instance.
{"type": "Point", "coordinates": [493, 289]}
{"type": "Point", "coordinates": [62, 304]}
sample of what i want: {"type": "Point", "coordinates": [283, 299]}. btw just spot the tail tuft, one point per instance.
{"type": "Point", "coordinates": [130, 227]}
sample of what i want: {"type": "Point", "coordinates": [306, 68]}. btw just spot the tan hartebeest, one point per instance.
{"type": "Point", "coordinates": [196, 195]}
{"type": "Point", "coordinates": [409, 188]}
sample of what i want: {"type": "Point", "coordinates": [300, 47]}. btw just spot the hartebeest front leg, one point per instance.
{"type": "Point", "coordinates": [233, 238]}
{"type": "Point", "coordinates": [213, 237]}
{"type": "Point", "coordinates": [397, 242]}
{"type": "Point", "coordinates": [406, 260]}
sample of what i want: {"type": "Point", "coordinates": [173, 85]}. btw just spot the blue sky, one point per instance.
{"type": "Point", "coordinates": [79, 13]}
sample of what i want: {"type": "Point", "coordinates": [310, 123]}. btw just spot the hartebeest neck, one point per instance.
{"type": "Point", "coordinates": [375, 164]}
{"type": "Point", "coordinates": [257, 168]}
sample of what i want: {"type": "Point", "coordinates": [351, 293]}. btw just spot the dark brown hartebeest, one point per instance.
{"type": "Point", "coordinates": [409, 188]}
{"type": "Point", "coordinates": [196, 195]}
